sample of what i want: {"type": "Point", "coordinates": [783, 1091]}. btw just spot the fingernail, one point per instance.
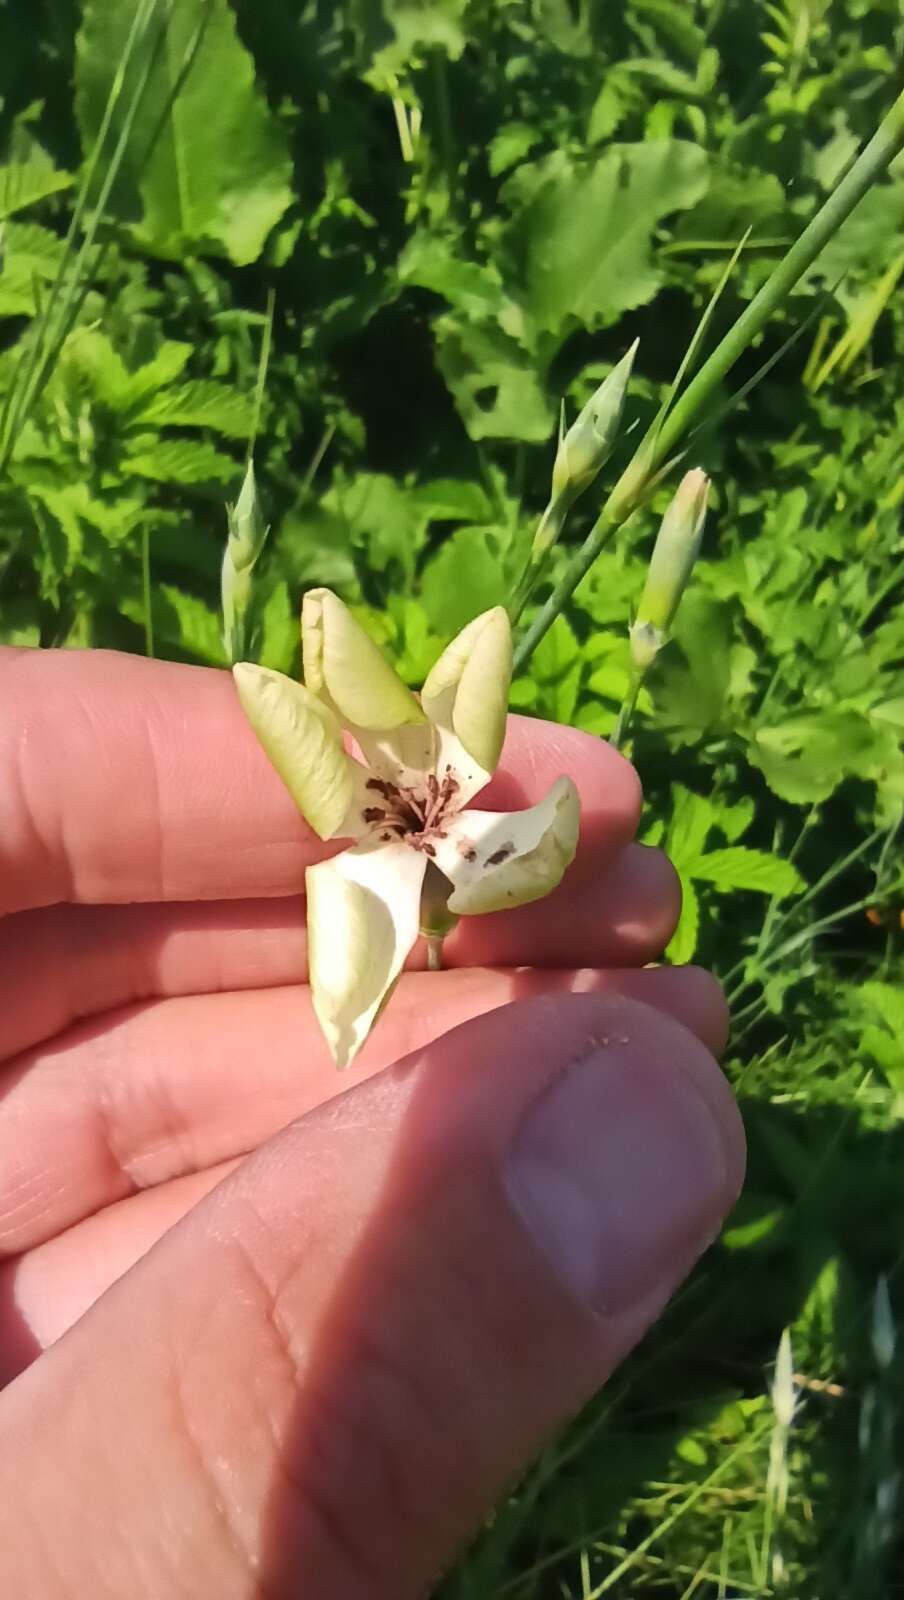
{"type": "Point", "coordinates": [619, 1170]}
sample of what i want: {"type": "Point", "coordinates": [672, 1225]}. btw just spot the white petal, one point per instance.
{"type": "Point", "coordinates": [466, 698]}
{"type": "Point", "coordinates": [304, 742]}
{"type": "Point", "coordinates": [363, 918]}
{"type": "Point", "coordinates": [496, 860]}
{"type": "Point", "coordinates": [346, 670]}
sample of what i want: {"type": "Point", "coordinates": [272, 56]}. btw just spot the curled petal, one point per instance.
{"type": "Point", "coordinates": [466, 697]}
{"type": "Point", "coordinates": [343, 666]}
{"type": "Point", "coordinates": [304, 742]}
{"type": "Point", "coordinates": [363, 919]}
{"type": "Point", "coordinates": [496, 860]}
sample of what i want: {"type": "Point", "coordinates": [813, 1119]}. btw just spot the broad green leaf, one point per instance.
{"type": "Point", "coordinates": [23, 184]}
{"type": "Point", "coordinates": [432, 263]}
{"type": "Point", "coordinates": [739, 868]}
{"type": "Point", "coordinates": [207, 164]}
{"type": "Point", "coordinates": [462, 580]}
{"type": "Point", "coordinates": [495, 385]}
{"type": "Point", "coordinates": [451, 500]}
{"type": "Point", "coordinates": [585, 232]}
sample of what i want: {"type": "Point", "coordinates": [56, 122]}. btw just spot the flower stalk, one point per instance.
{"type": "Point", "coordinates": [583, 451]}
{"type": "Point", "coordinates": [671, 564]}
{"type": "Point", "coordinates": [667, 433]}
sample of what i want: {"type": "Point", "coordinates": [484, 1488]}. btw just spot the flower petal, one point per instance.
{"type": "Point", "coordinates": [342, 665]}
{"type": "Point", "coordinates": [363, 918]}
{"type": "Point", "coordinates": [344, 668]}
{"type": "Point", "coordinates": [496, 860]}
{"type": "Point", "coordinates": [304, 742]}
{"type": "Point", "coordinates": [466, 698]}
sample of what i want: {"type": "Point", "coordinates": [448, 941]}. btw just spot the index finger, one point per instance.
{"type": "Point", "coordinates": [124, 779]}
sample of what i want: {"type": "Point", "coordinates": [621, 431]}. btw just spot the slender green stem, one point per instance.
{"type": "Point", "coordinates": [626, 711]}
{"type": "Point", "coordinates": [262, 366]}
{"type": "Point", "coordinates": [146, 589]}
{"type": "Point", "coordinates": [664, 436]}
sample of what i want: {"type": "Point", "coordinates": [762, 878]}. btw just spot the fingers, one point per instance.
{"type": "Point", "coordinates": [123, 779]}
{"type": "Point", "coordinates": [173, 1087]}
{"type": "Point", "coordinates": [335, 1363]}
{"type": "Point", "coordinates": [65, 962]}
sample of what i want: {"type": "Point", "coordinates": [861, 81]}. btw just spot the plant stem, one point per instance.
{"type": "Point", "coordinates": [665, 435]}
{"type": "Point", "coordinates": [435, 953]}
{"type": "Point", "coordinates": [626, 711]}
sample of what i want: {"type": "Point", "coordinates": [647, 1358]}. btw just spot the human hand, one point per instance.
{"type": "Point", "coordinates": [310, 1356]}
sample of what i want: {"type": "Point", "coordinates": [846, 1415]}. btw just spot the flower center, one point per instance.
{"type": "Point", "coordinates": [414, 814]}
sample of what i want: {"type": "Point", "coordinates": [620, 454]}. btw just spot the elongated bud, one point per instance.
{"type": "Point", "coordinates": [671, 564]}
{"type": "Point", "coordinates": [783, 1396]}
{"type": "Point", "coordinates": [588, 442]}
{"type": "Point", "coordinates": [247, 529]}
{"type": "Point", "coordinates": [247, 532]}
{"type": "Point", "coordinates": [883, 1329]}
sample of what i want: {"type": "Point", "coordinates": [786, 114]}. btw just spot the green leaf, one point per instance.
{"type": "Point", "coordinates": [464, 579]}
{"type": "Point", "coordinates": [188, 626]}
{"type": "Point", "coordinates": [511, 144]}
{"type": "Point", "coordinates": [692, 818]}
{"type": "Point", "coordinates": [23, 184]}
{"type": "Point", "coordinates": [203, 403]}
{"type": "Point", "coordinates": [451, 500]}
{"type": "Point", "coordinates": [683, 942]}
{"type": "Point", "coordinates": [556, 667]}
{"type": "Point", "coordinates": [495, 385]}
{"type": "Point", "coordinates": [218, 175]}
{"type": "Point", "coordinates": [585, 232]}
{"type": "Point", "coordinates": [181, 461]}
{"type": "Point", "coordinates": [740, 868]}
{"type": "Point", "coordinates": [280, 635]}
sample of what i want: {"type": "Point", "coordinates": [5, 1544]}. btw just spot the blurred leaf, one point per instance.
{"type": "Point", "coordinates": [740, 868]}
{"type": "Point", "coordinates": [23, 185]}
{"type": "Point", "coordinates": [181, 461]}
{"type": "Point", "coordinates": [203, 403]}
{"type": "Point", "coordinates": [464, 579]}
{"type": "Point", "coordinates": [205, 154]}
{"type": "Point", "coordinates": [585, 232]}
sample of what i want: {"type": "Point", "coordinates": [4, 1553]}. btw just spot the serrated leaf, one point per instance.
{"type": "Point", "coordinates": [585, 232]}
{"type": "Point", "coordinates": [739, 868]}
{"type": "Point", "coordinates": [511, 144]}
{"type": "Point", "coordinates": [183, 622]}
{"type": "Point", "coordinates": [181, 461]}
{"type": "Point", "coordinates": [218, 175]}
{"type": "Point", "coordinates": [691, 819]}
{"type": "Point", "coordinates": [203, 403]}
{"type": "Point", "coordinates": [23, 184]}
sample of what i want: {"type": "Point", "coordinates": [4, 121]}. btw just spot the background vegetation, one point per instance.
{"type": "Point", "coordinates": [466, 209]}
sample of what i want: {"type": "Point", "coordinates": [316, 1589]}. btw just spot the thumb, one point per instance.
{"type": "Point", "coordinates": [320, 1379]}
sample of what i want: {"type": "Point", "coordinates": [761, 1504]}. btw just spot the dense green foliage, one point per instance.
{"type": "Point", "coordinates": [468, 209]}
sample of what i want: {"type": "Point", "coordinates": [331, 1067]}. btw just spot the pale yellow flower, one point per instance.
{"type": "Point", "coordinates": [401, 797]}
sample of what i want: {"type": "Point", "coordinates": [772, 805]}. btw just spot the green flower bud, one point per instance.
{"type": "Point", "coordinates": [586, 446]}
{"type": "Point", "coordinates": [247, 529]}
{"type": "Point", "coordinates": [674, 553]}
